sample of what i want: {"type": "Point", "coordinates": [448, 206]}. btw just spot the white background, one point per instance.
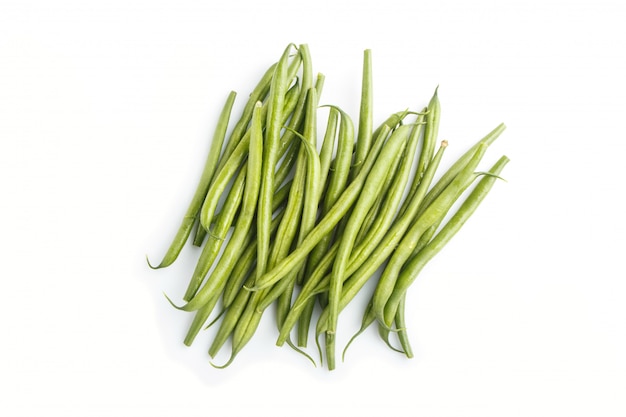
{"type": "Point", "coordinates": [106, 109]}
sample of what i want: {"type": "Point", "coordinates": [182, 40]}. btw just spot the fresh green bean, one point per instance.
{"type": "Point", "coordinates": [313, 186]}
{"type": "Point", "coordinates": [205, 180]}
{"type": "Point", "coordinates": [412, 268]}
{"type": "Point", "coordinates": [364, 136]}
{"type": "Point", "coordinates": [278, 88]}
{"type": "Point", "coordinates": [326, 153]}
{"type": "Point", "coordinates": [211, 249]}
{"type": "Point", "coordinates": [433, 213]}
{"type": "Point", "coordinates": [433, 116]}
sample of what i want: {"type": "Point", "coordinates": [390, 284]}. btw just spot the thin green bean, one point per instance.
{"type": "Point", "coordinates": [412, 268]}
{"type": "Point", "coordinates": [430, 216]}
{"type": "Point", "coordinates": [364, 135]}
{"type": "Point", "coordinates": [278, 88]}
{"type": "Point", "coordinates": [205, 180]}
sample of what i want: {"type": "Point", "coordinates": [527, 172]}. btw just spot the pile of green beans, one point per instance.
{"type": "Point", "coordinates": [283, 220]}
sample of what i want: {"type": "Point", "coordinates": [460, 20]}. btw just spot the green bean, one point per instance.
{"type": "Point", "coordinates": [433, 116]}
{"type": "Point", "coordinates": [433, 213]}
{"type": "Point", "coordinates": [364, 137]}
{"type": "Point", "coordinates": [233, 250]}
{"type": "Point", "coordinates": [313, 186]}
{"type": "Point", "coordinates": [326, 153]}
{"type": "Point", "coordinates": [278, 88]}
{"type": "Point", "coordinates": [371, 189]}
{"type": "Point", "coordinates": [211, 249]}
{"type": "Point", "coordinates": [414, 266]}
{"type": "Point", "coordinates": [327, 223]}
{"type": "Point", "coordinates": [205, 179]}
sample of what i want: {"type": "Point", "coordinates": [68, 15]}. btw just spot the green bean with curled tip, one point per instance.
{"type": "Point", "coordinates": [431, 215]}
{"type": "Point", "coordinates": [201, 190]}
{"type": "Point", "coordinates": [411, 269]}
{"type": "Point", "coordinates": [371, 189]}
{"type": "Point", "coordinates": [215, 283]}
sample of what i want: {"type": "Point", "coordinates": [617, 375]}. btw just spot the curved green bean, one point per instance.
{"type": "Point", "coordinates": [432, 214]}
{"type": "Point", "coordinates": [412, 268]}
{"type": "Point", "coordinates": [205, 180]}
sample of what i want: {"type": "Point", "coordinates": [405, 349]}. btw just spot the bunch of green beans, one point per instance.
{"type": "Point", "coordinates": [282, 220]}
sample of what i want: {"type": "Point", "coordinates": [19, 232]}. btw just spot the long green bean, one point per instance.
{"type": "Point", "coordinates": [413, 267]}
{"type": "Point", "coordinates": [205, 180]}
